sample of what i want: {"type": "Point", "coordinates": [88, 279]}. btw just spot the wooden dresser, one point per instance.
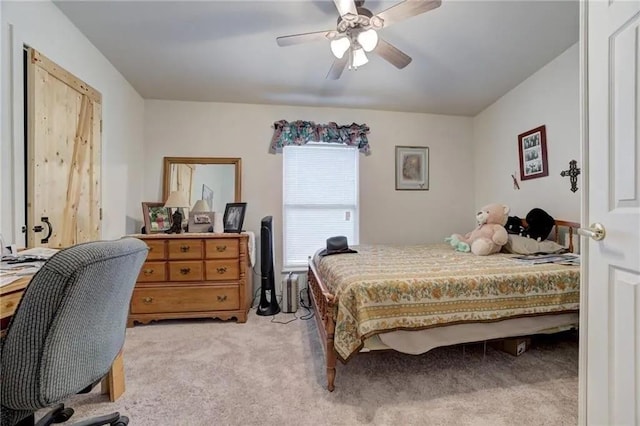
{"type": "Point", "coordinates": [193, 275]}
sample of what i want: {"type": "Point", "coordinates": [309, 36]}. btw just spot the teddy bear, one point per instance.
{"type": "Point", "coordinates": [489, 236]}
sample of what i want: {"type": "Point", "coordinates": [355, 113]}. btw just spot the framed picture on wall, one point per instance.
{"type": "Point", "coordinates": [412, 168]}
{"type": "Point", "coordinates": [532, 149]}
{"type": "Point", "coordinates": [156, 217]}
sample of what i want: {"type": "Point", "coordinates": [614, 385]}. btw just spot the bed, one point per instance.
{"type": "Point", "coordinates": [414, 298]}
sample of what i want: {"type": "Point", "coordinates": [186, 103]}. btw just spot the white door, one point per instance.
{"type": "Point", "coordinates": [610, 362]}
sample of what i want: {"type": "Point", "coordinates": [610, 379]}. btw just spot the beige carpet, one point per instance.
{"type": "Point", "coordinates": [260, 373]}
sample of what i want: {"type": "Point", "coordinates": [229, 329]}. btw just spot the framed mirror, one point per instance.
{"type": "Point", "coordinates": [216, 180]}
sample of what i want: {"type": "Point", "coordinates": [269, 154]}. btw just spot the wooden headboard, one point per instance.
{"type": "Point", "coordinates": [572, 230]}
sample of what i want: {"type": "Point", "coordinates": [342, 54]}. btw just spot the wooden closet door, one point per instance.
{"type": "Point", "coordinates": [182, 180]}
{"type": "Point", "coordinates": [64, 119]}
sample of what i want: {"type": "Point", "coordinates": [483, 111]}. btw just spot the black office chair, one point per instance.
{"type": "Point", "coordinates": [67, 331]}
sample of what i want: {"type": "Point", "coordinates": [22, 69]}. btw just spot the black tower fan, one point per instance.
{"type": "Point", "coordinates": [267, 263]}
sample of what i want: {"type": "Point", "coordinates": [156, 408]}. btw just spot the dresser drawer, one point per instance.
{"type": "Point", "coordinates": [222, 270]}
{"type": "Point", "coordinates": [188, 270]}
{"type": "Point", "coordinates": [156, 250]}
{"type": "Point", "coordinates": [153, 271]}
{"type": "Point", "coordinates": [222, 248]}
{"type": "Point", "coordinates": [185, 249]}
{"type": "Point", "coordinates": [185, 299]}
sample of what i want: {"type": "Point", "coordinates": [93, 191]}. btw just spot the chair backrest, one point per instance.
{"type": "Point", "coordinates": [70, 324]}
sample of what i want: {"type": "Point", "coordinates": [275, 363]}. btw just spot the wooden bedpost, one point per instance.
{"type": "Point", "coordinates": [324, 305]}
{"type": "Point", "coordinates": [330, 350]}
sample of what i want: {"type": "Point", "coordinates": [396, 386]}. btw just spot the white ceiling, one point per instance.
{"type": "Point", "coordinates": [466, 54]}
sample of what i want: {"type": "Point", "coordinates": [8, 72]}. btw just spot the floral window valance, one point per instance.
{"type": "Point", "coordinates": [301, 132]}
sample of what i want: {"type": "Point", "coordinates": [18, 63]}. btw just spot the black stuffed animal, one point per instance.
{"type": "Point", "coordinates": [514, 225]}
{"type": "Point", "coordinates": [539, 224]}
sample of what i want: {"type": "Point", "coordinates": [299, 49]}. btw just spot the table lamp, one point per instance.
{"type": "Point", "coordinates": [178, 201]}
{"type": "Point", "coordinates": [200, 206]}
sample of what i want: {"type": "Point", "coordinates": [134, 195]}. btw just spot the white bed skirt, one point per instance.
{"type": "Point", "coordinates": [420, 341]}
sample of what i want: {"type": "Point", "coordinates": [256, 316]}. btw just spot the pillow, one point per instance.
{"type": "Point", "coordinates": [524, 245]}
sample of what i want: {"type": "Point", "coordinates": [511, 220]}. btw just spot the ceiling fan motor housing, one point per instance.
{"type": "Point", "coordinates": [364, 20]}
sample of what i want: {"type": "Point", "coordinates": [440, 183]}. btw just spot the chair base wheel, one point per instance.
{"type": "Point", "coordinates": [122, 421]}
{"type": "Point", "coordinates": [63, 415]}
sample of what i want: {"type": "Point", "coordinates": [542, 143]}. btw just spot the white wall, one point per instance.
{"type": "Point", "coordinates": [549, 97]}
{"type": "Point", "coordinates": [193, 129]}
{"type": "Point", "coordinates": [43, 26]}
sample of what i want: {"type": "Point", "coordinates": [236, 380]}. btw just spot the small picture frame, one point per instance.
{"type": "Point", "coordinates": [201, 222]}
{"type": "Point", "coordinates": [156, 217]}
{"type": "Point", "coordinates": [532, 149]}
{"type": "Point", "coordinates": [412, 168]}
{"type": "Point", "coordinates": [234, 217]}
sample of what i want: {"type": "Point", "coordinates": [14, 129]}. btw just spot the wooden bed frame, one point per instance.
{"type": "Point", "coordinates": [324, 303]}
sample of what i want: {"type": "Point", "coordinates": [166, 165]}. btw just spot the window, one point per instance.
{"type": "Point", "coordinates": [320, 196]}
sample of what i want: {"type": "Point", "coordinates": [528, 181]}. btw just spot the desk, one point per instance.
{"type": "Point", "coordinates": [10, 295]}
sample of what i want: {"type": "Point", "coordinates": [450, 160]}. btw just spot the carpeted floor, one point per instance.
{"type": "Point", "coordinates": [208, 372]}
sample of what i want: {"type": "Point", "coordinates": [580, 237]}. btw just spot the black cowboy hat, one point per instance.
{"type": "Point", "coordinates": [336, 245]}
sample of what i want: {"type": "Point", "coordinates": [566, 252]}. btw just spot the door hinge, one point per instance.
{"type": "Point", "coordinates": [100, 213]}
{"type": "Point", "coordinates": [100, 126]}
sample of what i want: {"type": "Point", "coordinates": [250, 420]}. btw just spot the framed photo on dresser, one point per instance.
{"type": "Point", "coordinates": [156, 217]}
{"type": "Point", "coordinates": [201, 222]}
{"type": "Point", "coordinates": [234, 217]}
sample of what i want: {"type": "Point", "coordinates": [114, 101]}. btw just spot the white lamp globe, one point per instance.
{"type": "Point", "coordinates": [368, 40]}
{"type": "Point", "coordinates": [359, 58]}
{"type": "Point", "coordinates": [339, 46]}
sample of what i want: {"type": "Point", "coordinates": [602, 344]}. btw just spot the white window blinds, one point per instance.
{"type": "Point", "coordinates": [320, 196]}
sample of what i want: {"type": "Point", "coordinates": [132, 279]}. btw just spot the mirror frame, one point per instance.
{"type": "Point", "coordinates": [237, 162]}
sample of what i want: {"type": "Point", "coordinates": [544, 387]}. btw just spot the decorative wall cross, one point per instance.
{"type": "Point", "coordinates": [573, 173]}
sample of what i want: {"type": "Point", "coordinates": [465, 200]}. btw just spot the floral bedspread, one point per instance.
{"type": "Point", "coordinates": [384, 288]}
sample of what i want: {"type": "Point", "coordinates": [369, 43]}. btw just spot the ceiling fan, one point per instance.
{"type": "Point", "coordinates": [356, 34]}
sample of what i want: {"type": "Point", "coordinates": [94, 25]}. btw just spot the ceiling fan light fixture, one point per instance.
{"type": "Point", "coordinates": [368, 39]}
{"type": "Point", "coordinates": [359, 58]}
{"type": "Point", "coordinates": [339, 46]}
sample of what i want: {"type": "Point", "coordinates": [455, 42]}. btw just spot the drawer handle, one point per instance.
{"type": "Point", "coordinates": [184, 249]}
{"type": "Point", "coordinates": [220, 249]}
{"type": "Point", "coordinates": [222, 298]}
{"type": "Point", "coordinates": [147, 300]}
{"type": "Point", "coordinates": [148, 271]}
{"type": "Point", "coordinates": [185, 271]}
{"type": "Point", "coordinates": [221, 269]}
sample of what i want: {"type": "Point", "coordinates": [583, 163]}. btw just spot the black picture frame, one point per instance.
{"type": "Point", "coordinates": [234, 217]}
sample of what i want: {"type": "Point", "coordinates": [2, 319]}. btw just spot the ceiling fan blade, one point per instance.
{"type": "Point", "coordinates": [391, 54]}
{"type": "Point", "coordinates": [338, 66]}
{"type": "Point", "coordinates": [407, 9]}
{"type": "Point", "coordinates": [346, 6]}
{"type": "Point", "coordinates": [305, 37]}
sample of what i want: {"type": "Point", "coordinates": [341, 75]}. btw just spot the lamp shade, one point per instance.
{"type": "Point", "coordinates": [176, 199]}
{"type": "Point", "coordinates": [201, 206]}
